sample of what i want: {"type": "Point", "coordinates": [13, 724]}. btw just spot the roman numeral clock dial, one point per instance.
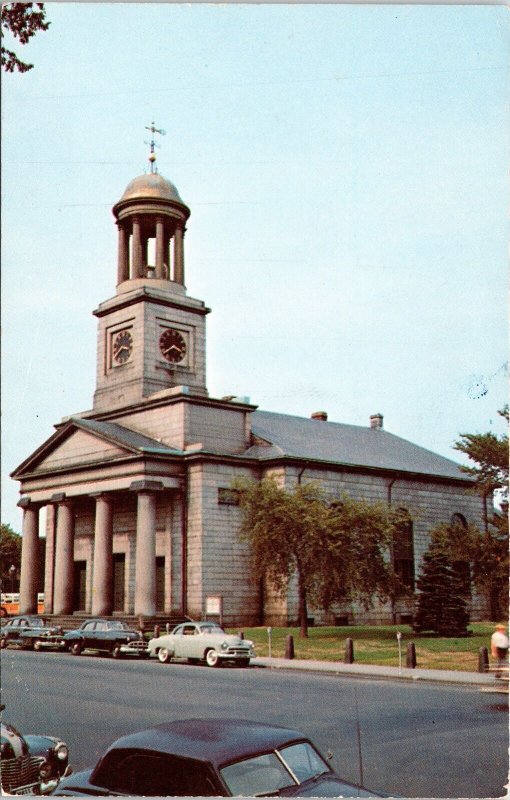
{"type": "Point", "coordinates": [122, 347]}
{"type": "Point", "coordinates": [172, 346]}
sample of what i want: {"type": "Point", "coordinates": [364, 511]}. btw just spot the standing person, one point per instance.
{"type": "Point", "coordinates": [499, 648]}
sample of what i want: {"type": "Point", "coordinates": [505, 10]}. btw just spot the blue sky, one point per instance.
{"type": "Point", "coordinates": [346, 167]}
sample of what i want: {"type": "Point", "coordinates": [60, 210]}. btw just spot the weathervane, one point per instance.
{"type": "Point", "coordinates": [152, 154]}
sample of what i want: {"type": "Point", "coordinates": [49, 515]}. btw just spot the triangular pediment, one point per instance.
{"type": "Point", "coordinates": [82, 442]}
{"type": "Point", "coordinates": [80, 448]}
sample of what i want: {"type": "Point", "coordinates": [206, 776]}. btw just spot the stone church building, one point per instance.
{"type": "Point", "coordinates": [140, 516]}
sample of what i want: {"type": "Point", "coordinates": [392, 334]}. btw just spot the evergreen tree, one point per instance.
{"type": "Point", "coordinates": [441, 604]}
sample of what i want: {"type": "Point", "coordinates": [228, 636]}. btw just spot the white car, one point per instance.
{"type": "Point", "coordinates": [202, 641]}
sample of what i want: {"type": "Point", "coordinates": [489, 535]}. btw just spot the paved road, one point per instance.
{"type": "Point", "coordinates": [417, 740]}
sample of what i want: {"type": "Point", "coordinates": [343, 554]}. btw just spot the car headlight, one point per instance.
{"type": "Point", "coordinates": [224, 645]}
{"type": "Point", "coordinates": [62, 751]}
{"type": "Point", "coordinates": [45, 771]}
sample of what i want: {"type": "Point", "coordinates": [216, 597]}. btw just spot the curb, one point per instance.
{"type": "Point", "coordinates": [376, 672]}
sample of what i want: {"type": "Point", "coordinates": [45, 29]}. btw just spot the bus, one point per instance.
{"type": "Point", "coordinates": [9, 604]}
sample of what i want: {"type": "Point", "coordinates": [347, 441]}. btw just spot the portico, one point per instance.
{"type": "Point", "coordinates": [83, 520]}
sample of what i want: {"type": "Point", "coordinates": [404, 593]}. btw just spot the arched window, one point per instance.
{"type": "Point", "coordinates": [403, 549]}
{"type": "Point", "coordinates": [462, 568]}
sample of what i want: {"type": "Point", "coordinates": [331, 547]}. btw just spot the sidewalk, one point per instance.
{"type": "Point", "coordinates": [480, 679]}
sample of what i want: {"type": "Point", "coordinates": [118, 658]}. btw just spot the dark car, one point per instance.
{"type": "Point", "coordinates": [212, 758]}
{"type": "Point", "coordinates": [106, 635]}
{"type": "Point", "coordinates": [31, 764]}
{"type": "Point", "coordinates": [31, 633]}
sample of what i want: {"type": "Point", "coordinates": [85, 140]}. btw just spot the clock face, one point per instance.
{"type": "Point", "coordinates": [122, 347]}
{"type": "Point", "coordinates": [172, 345]}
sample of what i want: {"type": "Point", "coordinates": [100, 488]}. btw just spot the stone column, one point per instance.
{"type": "Point", "coordinates": [29, 558]}
{"type": "Point", "coordinates": [102, 582]}
{"type": "Point", "coordinates": [123, 255]}
{"type": "Point", "coordinates": [145, 254]}
{"type": "Point", "coordinates": [50, 559]}
{"type": "Point", "coordinates": [160, 247]}
{"type": "Point", "coordinates": [145, 560]}
{"type": "Point", "coordinates": [137, 249]}
{"type": "Point", "coordinates": [64, 560]}
{"type": "Point", "coordinates": [179, 255]}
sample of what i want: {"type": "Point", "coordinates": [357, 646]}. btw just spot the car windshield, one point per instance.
{"type": "Point", "coordinates": [269, 773]}
{"type": "Point", "coordinates": [210, 627]}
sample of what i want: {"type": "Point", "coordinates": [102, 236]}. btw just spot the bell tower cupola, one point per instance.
{"type": "Point", "coordinates": [151, 335]}
{"type": "Point", "coordinates": [151, 209]}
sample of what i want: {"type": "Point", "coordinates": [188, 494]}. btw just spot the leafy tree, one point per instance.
{"type": "Point", "coordinates": [336, 550]}
{"type": "Point", "coordinates": [10, 553]}
{"type": "Point", "coordinates": [489, 456]}
{"type": "Point", "coordinates": [22, 21]}
{"type": "Point", "coordinates": [441, 603]}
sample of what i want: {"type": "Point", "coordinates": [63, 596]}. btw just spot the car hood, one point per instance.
{"type": "Point", "coordinates": [328, 786]}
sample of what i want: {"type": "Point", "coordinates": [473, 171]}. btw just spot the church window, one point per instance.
{"type": "Point", "coordinates": [461, 567]}
{"type": "Point", "coordinates": [228, 497]}
{"type": "Point", "coordinates": [403, 549]}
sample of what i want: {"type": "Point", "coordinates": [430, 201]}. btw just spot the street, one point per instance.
{"type": "Point", "coordinates": [416, 740]}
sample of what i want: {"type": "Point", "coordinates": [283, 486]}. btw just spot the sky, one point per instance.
{"type": "Point", "coordinates": [346, 167]}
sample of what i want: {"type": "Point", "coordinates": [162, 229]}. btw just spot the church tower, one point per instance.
{"type": "Point", "coordinates": [151, 335]}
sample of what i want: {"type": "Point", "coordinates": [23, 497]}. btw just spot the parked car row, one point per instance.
{"type": "Point", "coordinates": [195, 641]}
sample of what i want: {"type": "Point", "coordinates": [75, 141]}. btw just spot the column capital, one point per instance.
{"type": "Point", "coordinates": [101, 495]}
{"type": "Point", "coordinates": [146, 486]}
{"type": "Point", "coordinates": [26, 502]}
{"type": "Point", "coordinates": [58, 497]}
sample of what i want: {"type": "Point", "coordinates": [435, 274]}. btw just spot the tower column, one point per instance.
{"type": "Point", "coordinates": [160, 247]}
{"type": "Point", "coordinates": [29, 558]}
{"type": "Point", "coordinates": [102, 584]}
{"type": "Point", "coordinates": [64, 560]}
{"type": "Point", "coordinates": [123, 255]}
{"type": "Point", "coordinates": [145, 561]}
{"type": "Point", "coordinates": [137, 249]}
{"type": "Point", "coordinates": [179, 255]}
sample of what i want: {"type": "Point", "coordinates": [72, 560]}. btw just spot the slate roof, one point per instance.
{"type": "Point", "coordinates": [125, 437]}
{"type": "Point", "coordinates": [337, 443]}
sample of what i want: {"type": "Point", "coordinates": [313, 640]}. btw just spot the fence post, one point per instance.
{"type": "Point", "coordinates": [241, 634]}
{"type": "Point", "coordinates": [349, 651]}
{"type": "Point", "coordinates": [157, 631]}
{"type": "Point", "coordinates": [411, 656]}
{"type": "Point", "coordinates": [483, 659]}
{"type": "Point", "coordinates": [289, 646]}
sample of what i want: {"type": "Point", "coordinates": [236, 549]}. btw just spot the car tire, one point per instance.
{"type": "Point", "coordinates": [3, 642]}
{"type": "Point", "coordinates": [212, 659]}
{"type": "Point", "coordinates": [164, 655]}
{"type": "Point", "coordinates": [116, 651]}
{"type": "Point", "coordinates": [76, 648]}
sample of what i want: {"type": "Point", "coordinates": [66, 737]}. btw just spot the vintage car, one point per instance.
{"type": "Point", "coordinates": [31, 764]}
{"type": "Point", "coordinates": [32, 633]}
{"type": "Point", "coordinates": [212, 758]}
{"type": "Point", "coordinates": [106, 635]}
{"type": "Point", "coordinates": [202, 641]}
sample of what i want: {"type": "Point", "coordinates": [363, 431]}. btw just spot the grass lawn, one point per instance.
{"type": "Point", "coordinates": [378, 644]}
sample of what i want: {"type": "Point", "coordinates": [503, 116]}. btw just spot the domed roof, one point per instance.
{"type": "Point", "coordinates": [154, 186]}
